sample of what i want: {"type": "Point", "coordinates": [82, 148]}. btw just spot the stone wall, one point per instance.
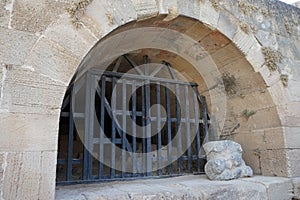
{"type": "Point", "coordinates": [41, 48]}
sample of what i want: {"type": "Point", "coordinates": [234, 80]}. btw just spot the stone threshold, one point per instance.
{"type": "Point", "coordinates": [183, 187]}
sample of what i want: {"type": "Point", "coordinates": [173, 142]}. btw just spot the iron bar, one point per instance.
{"type": "Point", "coordinates": [187, 124]}
{"type": "Point", "coordinates": [70, 138]}
{"type": "Point", "coordinates": [124, 128]}
{"type": "Point", "coordinates": [158, 121]}
{"type": "Point", "coordinates": [102, 126]}
{"type": "Point", "coordinates": [169, 131]}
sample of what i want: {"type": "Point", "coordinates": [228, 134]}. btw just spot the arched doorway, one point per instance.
{"type": "Point", "coordinates": [131, 120]}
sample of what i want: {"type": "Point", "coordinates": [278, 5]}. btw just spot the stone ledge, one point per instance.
{"type": "Point", "coordinates": [184, 187]}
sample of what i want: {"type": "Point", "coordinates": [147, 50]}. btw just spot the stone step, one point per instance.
{"type": "Point", "coordinates": [184, 187]}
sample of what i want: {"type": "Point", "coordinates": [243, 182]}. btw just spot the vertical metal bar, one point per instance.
{"type": "Point", "coordinates": [124, 128]}
{"type": "Point", "coordinates": [71, 136]}
{"type": "Point", "coordinates": [178, 129]}
{"type": "Point", "coordinates": [197, 127]}
{"type": "Point", "coordinates": [134, 161]}
{"type": "Point", "coordinates": [143, 129]}
{"type": "Point", "coordinates": [188, 130]}
{"type": "Point", "coordinates": [86, 153]}
{"type": "Point", "coordinates": [92, 90]}
{"type": "Point", "coordinates": [169, 131]}
{"type": "Point", "coordinates": [113, 129]}
{"type": "Point", "coordinates": [204, 117]}
{"type": "Point", "coordinates": [102, 126]}
{"type": "Point", "coordinates": [146, 67]}
{"type": "Point", "coordinates": [148, 128]}
{"type": "Point", "coordinates": [159, 160]}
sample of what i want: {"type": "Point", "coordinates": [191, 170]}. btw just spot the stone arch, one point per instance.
{"type": "Point", "coordinates": [227, 29]}
{"type": "Point", "coordinates": [59, 48]}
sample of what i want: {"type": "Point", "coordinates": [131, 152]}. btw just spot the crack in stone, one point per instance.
{"type": "Point", "coordinates": [9, 7]}
{"type": "Point", "coordinates": [4, 72]}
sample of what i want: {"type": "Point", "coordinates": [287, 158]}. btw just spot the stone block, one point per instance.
{"type": "Point", "coordinates": [270, 77]}
{"type": "Point", "coordinates": [47, 180]}
{"type": "Point", "coordinates": [165, 5]}
{"type": "Point", "coordinates": [26, 91]}
{"type": "Point", "coordinates": [252, 99]}
{"type": "Point", "coordinates": [3, 165]}
{"type": "Point", "coordinates": [257, 139]}
{"type": "Point", "coordinates": [296, 186]}
{"type": "Point", "coordinates": [292, 137]}
{"type": "Point", "coordinates": [293, 160]}
{"type": "Point", "coordinates": [267, 39]}
{"type": "Point", "coordinates": [103, 16]}
{"type": "Point", "coordinates": [290, 114]}
{"type": "Point", "coordinates": [252, 159]}
{"type": "Point", "coordinates": [208, 14]}
{"type": "Point", "coordinates": [28, 132]}
{"type": "Point", "coordinates": [145, 9]}
{"type": "Point", "coordinates": [278, 188]}
{"type": "Point", "coordinates": [63, 32]}
{"type": "Point", "coordinates": [214, 42]}
{"type": "Point", "coordinates": [189, 8]}
{"type": "Point", "coordinates": [293, 90]}
{"type": "Point", "coordinates": [274, 138]}
{"type": "Point", "coordinates": [227, 24]}
{"type": "Point", "coordinates": [262, 119]}
{"type": "Point", "coordinates": [198, 31]}
{"type": "Point", "coordinates": [35, 16]}
{"type": "Point", "coordinates": [245, 42]}
{"type": "Point", "coordinates": [256, 58]}
{"type": "Point", "coordinates": [22, 175]}
{"type": "Point", "coordinates": [278, 94]}
{"type": "Point", "coordinates": [226, 55]}
{"type": "Point", "coordinates": [5, 10]}
{"type": "Point", "coordinates": [274, 162]}
{"type": "Point", "coordinates": [53, 61]}
{"type": "Point", "coordinates": [15, 45]}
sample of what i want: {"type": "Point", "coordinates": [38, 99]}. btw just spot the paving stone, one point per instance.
{"type": "Point", "coordinates": [186, 187]}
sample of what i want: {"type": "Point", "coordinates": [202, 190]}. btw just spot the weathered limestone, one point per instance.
{"type": "Point", "coordinates": [277, 188]}
{"type": "Point", "coordinates": [296, 186]}
{"type": "Point", "coordinates": [28, 132]}
{"type": "Point", "coordinates": [26, 91]}
{"type": "Point", "coordinates": [40, 51]}
{"type": "Point", "coordinates": [224, 161]}
{"type": "Point", "coordinates": [186, 187]}
{"type": "Point", "coordinates": [36, 16]}
{"type": "Point", "coordinates": [31, 170]}
{"type": "Point", "coordinates": [15, 45]}
{"type": "Point", "coordinates": [271, 158]}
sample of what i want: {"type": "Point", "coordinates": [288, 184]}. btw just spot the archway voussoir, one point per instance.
{"type": "Point", "coordinates": [227, 24]}
{"type": "Point", "coordinates": [52, 60]}
{"type": "Point", "coordinates": [145, 9]}
{"type": "Point", "coordinates": [189, 8]}
{"type": "Point", "coordinates": [209, 14]}
{"type": "Point", "coordinates": [78, 41]}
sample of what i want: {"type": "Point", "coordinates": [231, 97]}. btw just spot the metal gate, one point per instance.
{"type": "Point", "coordinates": [117, 126]}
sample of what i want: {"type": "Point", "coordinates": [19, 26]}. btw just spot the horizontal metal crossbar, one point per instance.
{"type": "Point", "coordinates": [162, 154]}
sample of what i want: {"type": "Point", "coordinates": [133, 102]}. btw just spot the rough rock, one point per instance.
{"type": "Point", "coordinates": [224, 161]}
